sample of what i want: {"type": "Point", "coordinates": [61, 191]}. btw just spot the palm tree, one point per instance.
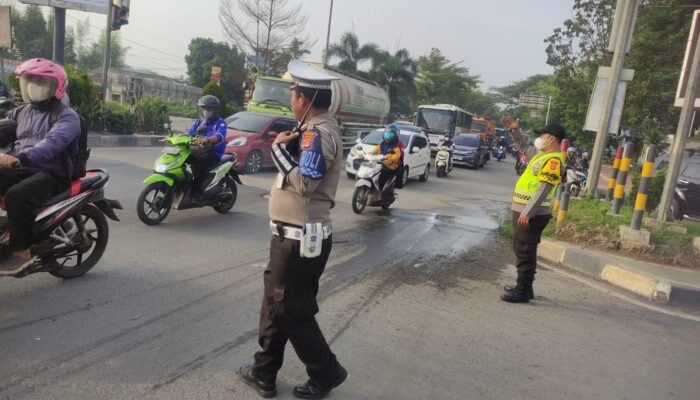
{"type": "Point", "coordinates": [396, 73]}
{"type": "Point", "coordinates": [350, 53]}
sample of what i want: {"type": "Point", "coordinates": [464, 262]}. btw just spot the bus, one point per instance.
{"type": "Point", "coordinates": [442, 120]}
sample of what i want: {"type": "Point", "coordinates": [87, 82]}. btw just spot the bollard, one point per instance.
{"type": "Point", "coordinates": [640, 204]}
{"type": "Point", "coordinates": [564, 203]}
{"type": "Point", "coordinates": [619, 194]}
{"type": "Point", "coordinates": [557, 199]}
{"type": "Point", "coordinates": [613, 178]}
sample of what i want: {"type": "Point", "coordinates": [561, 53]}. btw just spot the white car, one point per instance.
{"type": "Point", "coordinates": [416, 153]}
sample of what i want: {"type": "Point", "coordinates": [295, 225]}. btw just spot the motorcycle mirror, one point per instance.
{"type": "Point", "coordinates": [5, 102]}
{"type": "Point", "coordinates": [358, 140]}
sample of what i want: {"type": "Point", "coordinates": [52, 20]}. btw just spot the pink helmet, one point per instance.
{"type": "Point", "coordinates": [48, 68]}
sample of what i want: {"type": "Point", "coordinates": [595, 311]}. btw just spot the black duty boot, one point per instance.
{"type": "Point", "coordinates": [310, 390]}
{"type": "Point", "coordinates": [519, 294]}
{"type": "Point", "coordinates": [530, 292]}
{"type": "Point", "coordinates": [266, 389]}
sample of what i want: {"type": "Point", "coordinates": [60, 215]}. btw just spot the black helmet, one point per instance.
{"type": "Point", "coordinates": [208, 101]}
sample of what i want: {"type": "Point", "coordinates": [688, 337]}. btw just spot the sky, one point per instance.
{"type": "Point", "coordinates": [499, 40]}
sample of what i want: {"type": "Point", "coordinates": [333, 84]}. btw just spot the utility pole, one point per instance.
{"type": "Point", "coordinates": [328, 35]}
{"type": "Point", "coordinates": [59, 35]}
{"type": "Point", "coordinates": [684, 126]}
{"type": "Point", "coordinates": [549, 105]}
{"type": "Point", "coordinates": [626, 12]}
{"type": "Point", "coordinates": [108, 54]}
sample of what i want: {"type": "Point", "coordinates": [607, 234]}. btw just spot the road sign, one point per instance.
{"type": "Point", "coordinates": [95, 6]}
{"type": "Point", "coordinates": [216, 75]}
{"type": "Point", "coordinates": [595, 106]}
{"type": "Point", "coordinates": [689, 53]}
{"type": "Point", "coordinates": [533, 101]}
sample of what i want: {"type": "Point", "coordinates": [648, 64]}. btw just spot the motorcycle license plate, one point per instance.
{"type": "Point", "coordinates": [171, 150]}
{"type": "Point", "coordinates": [460, 158]}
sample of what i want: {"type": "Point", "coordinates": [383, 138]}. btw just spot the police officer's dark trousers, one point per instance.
{"type": "Point", "coordinates": [525, 242]}
{"type": "Point", "coordinates": [288, 308]}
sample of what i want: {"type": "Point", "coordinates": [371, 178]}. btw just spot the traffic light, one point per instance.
{"type": "Point", "coordinates": [121, 15]}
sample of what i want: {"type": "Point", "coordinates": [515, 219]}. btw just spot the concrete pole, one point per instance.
{"type": "Point", "coordinates": [108, 54]}
{"type": "Point", "coordinates": [684, 126]}
{"type": "Point", "coordinates": [640, 203]}
{"type": "Point", "coordinates": [328, 35]}
{"type": "Point", "coordinates": [623, 37]}
{"type": "Point", "coordinates": [59, 35]}
{"type": "Point", "coordinates": [619, 194]}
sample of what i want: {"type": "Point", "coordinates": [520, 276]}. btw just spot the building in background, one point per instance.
{"type": "Point", "coordinates": [131, 83]}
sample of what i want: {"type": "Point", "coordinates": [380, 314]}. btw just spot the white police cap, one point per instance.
{"type": "Point", "coordinates": [305, 75]}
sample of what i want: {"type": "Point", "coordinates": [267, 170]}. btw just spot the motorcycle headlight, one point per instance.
{"type": "Point", "coordinates": [238, 142]}
{"type": "Point", "coordinates": [165, 167]}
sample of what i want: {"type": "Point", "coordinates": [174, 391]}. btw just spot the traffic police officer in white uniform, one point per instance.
{"type": "Point", "coordinates": [309, 161]}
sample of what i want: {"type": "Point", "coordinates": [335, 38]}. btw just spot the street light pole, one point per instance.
{"type": "Point", "coordinates": [623, 37]}
{"type": "Point", "coordinates": [59, 34]}
{"type": "Point", "coordinates": [107, 55]}
{"type": "Point", "coordinates": [328, 35]}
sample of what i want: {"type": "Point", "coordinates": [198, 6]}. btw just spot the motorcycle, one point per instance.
{"type": "Point", "coordinates": [577, 178]}
{"type": "Point", "coordinates": [521, 163]}
{"type": "Point", "coordinates": [170, 184]}
{"type": "Point", "coordinates": [367, 191]}
{"type": "Point", "coordinates": [443, 160]}
{"type": "Point", "coordinates": [499, 153]}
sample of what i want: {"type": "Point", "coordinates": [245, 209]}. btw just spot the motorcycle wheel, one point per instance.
{"type": "Point", "coordinates": [224, 207]}
{"type": "Point", "coordinates": [359, 199]}
{"type": "Point", "coordinates": [96, 232]}
{"type": "Point", "coordinates": [154, 203]}
{"type": "Point", "coordinates": [440, 171]}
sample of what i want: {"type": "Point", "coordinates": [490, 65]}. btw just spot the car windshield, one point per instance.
{"type": "Point", "coordinates": [478, 127]}
{"type": "Point", "coordinates": [467, 140]}
{"type": "Point", "coordinates": [435, 120]}
{"type": "Point", "coordinates": [247, 122]}
{"type": "Point", "coordinates": [376, 136]}
{"type": "Point", "coordinates": [272, 92]}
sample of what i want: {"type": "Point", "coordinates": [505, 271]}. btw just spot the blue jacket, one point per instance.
{"type": "Point", "coordinates": [217, 126]}
{"type": "Point", "coordinates": [38, 147]}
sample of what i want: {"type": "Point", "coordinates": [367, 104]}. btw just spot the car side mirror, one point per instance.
{"type": "Point", "coordinates": [415, 149]}
{"type": "Point", "coordinates": [272, 134]}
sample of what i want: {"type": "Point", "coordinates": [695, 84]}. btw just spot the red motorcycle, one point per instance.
{"type": "Point", "coordinates": [521, 163]}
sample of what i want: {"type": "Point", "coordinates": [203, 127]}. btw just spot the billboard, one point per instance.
{"type": "Point", "coordinates": [95, 6]}
{"type": "Point", "coordinates": [216, 75]}
{"type": "Point", "coordinates": [5, 28]}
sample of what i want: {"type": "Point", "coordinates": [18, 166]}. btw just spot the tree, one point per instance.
{"type": "Point", "coordinates": [575, 52]}
{"type": "Point", "coordinates": [441, 81]}
{"type": "Point", "coordinates": [396, 74]}
{"type": "Point", "coordinates": [656, 55]}
{"type": "Point", "coordinates": [94, 56]}
{"type": "Point", "coordinates": [263, 27]}
{"type": "Point", "coordinates": [31, 33]}
{"type": "Point", "coordinates": [350, 53]}
{"type": "Point", "coordinates": [204, 54]}
{"type": "Point", "coordinates": [295, 50]}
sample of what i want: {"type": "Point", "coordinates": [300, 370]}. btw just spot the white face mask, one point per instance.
{"type": "Point", "coordinates": [38, 93]}
{"type": "Point", "coordinates": [540, 144]}
{"type": "Point", "coordinates": [208, 114]}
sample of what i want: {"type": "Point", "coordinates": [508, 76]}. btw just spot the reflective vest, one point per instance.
{"type": "Point", "coordinates": [544, 167]}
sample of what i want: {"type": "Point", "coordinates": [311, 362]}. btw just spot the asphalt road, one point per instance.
{"type": "Point", "coordinates": [409, 302]}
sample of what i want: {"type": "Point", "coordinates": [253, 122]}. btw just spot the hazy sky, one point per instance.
{"type": "Point", "coordinates": [500, 40]}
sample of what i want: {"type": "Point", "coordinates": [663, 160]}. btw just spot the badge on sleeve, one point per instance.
{"type": "Point", "coordinates": [312, 163]}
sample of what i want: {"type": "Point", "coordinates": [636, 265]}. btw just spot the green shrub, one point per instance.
{"type": "Point", "coordinates": [117, 119]}
{"type": "Point", "coordinates": [150, 115]}
{"type": "Point", "coordinates": [177, 109]}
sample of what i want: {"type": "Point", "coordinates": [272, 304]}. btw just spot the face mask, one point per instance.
{"type": "Point", "coordinates": [208, 114]}
{"type": "Point", "coordinates": [37, 93]}
{"type": "Point", "coordinates": [540, 144]}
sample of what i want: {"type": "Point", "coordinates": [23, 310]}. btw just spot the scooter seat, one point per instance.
{"type": "Point", "coordinates": [78, 186]}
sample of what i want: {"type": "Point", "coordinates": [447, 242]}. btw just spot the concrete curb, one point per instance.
{"type": "Point", "coordinates": [99, 140]}
{"type": "Point", "coordinates": [623, 276]}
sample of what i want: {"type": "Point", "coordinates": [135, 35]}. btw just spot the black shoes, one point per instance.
{"type": "Point", "coordinates": [309, 390]}
{"type": "Point", "coordinates": [517, 294]}
{"type": "Point", "coordinates": [264, 388]}
{"type": "Point", "coordinates": [510, 288]}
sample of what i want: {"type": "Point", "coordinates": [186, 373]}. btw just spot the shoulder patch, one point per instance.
{"type": "Point", "coordinates": [553, 164]}
{"type": "Point", "coordinates": [307, 139]}
{"type": "Point", "coordinates": [312, 163]}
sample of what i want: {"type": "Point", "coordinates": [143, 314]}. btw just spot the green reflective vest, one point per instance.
{"type": "Point", "coordinates": [539, 169]}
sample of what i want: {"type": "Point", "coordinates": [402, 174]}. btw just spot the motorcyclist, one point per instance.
{"type": "Point", "coordinates": [44, 151]}
{"type": "Point", "coordinates": [391, 150]}
{"type": "Point", "coordinates": [210, 130]}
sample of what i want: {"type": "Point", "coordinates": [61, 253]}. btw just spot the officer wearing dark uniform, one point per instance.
{"type": "Point", "coordinates": [300, 203]}
{"type": "Point", "coordinates": [532, 201]}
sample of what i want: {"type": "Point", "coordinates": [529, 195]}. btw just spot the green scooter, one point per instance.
{"type": "Point", "coordinates": [170, 184]}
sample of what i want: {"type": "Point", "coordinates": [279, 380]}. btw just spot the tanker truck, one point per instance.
{"type": "Point", "coordinates": [358, 104]}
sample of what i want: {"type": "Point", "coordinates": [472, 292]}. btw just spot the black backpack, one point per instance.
{"type": "Point", "coordinates": [80, 166]}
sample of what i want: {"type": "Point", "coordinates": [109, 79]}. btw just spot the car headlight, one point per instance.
{"type": "Point", "coordinates": [238, 142]}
